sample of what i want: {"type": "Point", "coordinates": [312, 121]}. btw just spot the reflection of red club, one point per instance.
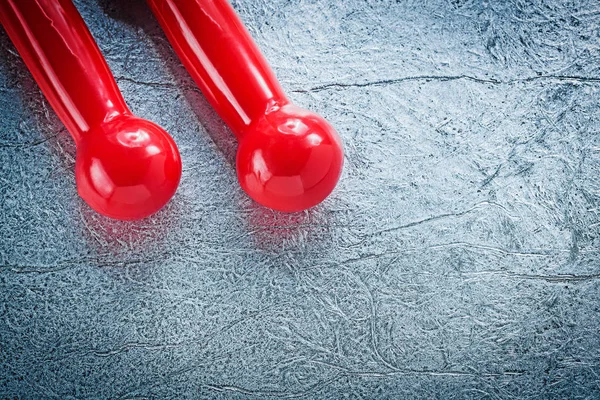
{"type": "Point", "coordinates": [126, 167]}
{"type": "Point", "coordinates": [289, 158]}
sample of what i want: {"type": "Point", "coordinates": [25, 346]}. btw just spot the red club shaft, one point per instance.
{"type": "Point", "coordinates": [63, 58]}
{"type": "Point", "coordinates": [222, 58]}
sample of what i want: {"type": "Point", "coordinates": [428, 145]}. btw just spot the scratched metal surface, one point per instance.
{"type": "Point", "coordinates": [458, 258]}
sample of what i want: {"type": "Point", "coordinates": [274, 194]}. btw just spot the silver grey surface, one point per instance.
{"type": "Point", "coordinates": [459, 256]}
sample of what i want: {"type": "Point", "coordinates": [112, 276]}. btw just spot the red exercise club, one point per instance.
{"type": "Point", "coordinates": [126, 167]}
{"type": "Point", "coordinates": [288, 158]}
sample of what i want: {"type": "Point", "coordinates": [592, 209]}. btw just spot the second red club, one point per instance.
{"type": "Point", "coordinates": [289, 158]}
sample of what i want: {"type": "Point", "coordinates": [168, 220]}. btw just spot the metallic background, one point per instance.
{"type": "Point", "coordinates": [459, 256]}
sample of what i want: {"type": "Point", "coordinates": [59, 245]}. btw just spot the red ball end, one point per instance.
{"type": "Point", "coordinates": [129, 170]}
{"type": "Point", "coordinates": [290, 159]}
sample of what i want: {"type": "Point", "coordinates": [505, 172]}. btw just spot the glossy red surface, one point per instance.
{"type": "Point", "coordinates": [289, 159]}
{"type": "Point", "coordinates": [126, 167]}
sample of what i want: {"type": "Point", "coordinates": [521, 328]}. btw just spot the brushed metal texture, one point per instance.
{"type": "Point", "coordinates": [458, 258]}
